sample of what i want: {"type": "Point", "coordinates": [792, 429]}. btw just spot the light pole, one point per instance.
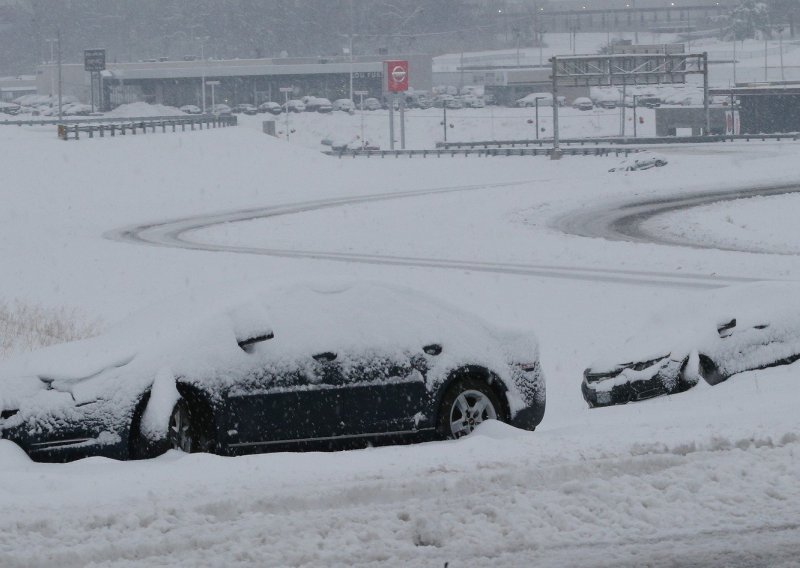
{"type": "Point", "coordinates": [350, 53]}
{"type": "Point", "coordinates": [286, 91]}
{"type": "Point", "coordinates": [361, 104]}
{"type": "Point", "coordinates": [52, 42]}
{"type": "Point", "coordinates": [203, 41]}
{"type": "Point", "coordinates": [60, 82]}
{"type": "Point", "coordinates": [213, 104]}
{"type": "Point", "coordinates": [536, 104]}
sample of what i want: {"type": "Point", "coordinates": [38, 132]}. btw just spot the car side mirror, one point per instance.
{"type": "Point", "coordinates": [247, 344]}
{"type": "Point", "coordinates": [726, 328]}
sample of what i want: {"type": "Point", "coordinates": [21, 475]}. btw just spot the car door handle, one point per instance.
{"type": "Point", "coordinates": [432, 349]}
{"type": "Point", "coordinates": [325, 357]}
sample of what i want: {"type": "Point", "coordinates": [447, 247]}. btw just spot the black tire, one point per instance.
{"type": "Point", "coordinates": [190, 428]}
{"type": "Point", "coordinates": [200, 430]}
{"type": "Point", "coordinates": [475, 391]}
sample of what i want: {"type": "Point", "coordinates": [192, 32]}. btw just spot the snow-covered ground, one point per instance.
{"type": "Point", "coordinates": [707, 477]}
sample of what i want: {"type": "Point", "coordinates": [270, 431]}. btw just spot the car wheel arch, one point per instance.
{"type": "Point", "coordinates": [139, 447]}
{"type": "Point", "coordinates": [480, 373]}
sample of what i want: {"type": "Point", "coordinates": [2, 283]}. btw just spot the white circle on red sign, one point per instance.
{"type": "Point", "coordinates": [399, 74]}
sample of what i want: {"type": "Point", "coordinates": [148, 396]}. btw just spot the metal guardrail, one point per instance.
{"type": "Point", "coordinates": [484, 152]}
{"type": "Point", "coordinates": [794, 136]}
{"type": "Point", "coordinates": [127, 126]}
{"type": "Point", "coordinates": [93, 119]}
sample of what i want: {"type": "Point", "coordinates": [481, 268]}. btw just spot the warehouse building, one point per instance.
{"type": "Point", "coordinates": [177, 83]}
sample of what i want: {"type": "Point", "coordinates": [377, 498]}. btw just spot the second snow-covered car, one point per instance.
{"type": "Point", "coordinates": [706, 343]}
{"type": "Point", "coordinates": [640, 161]}
{"type": "Point", "coordinates": [305, 366]}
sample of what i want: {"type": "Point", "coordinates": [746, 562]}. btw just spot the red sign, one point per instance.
{"type": "Point", "coordinates": [397, 76]}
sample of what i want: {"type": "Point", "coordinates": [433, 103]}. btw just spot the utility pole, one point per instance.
{"type": "Point", "coordinates": [286, 91]}
{"type": "Point", "coordinates": [60, 82]}
{"type": "Point", "coordinates": [361, 104]}
{"type": "Point", "coordinates": [556, 154]}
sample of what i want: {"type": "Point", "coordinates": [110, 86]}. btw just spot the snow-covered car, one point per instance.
{"type": "Point", "coordinates": [707, 343]}
{"type": "Point", "coordinates": [191, 109]}
{"type": "Point", "coordinates": [372, 103]}
{"type": "Point", "coordinates": [9, 108]}
{"type": "Point", "coordinates": [221, 110]}
{"type": "Point", "coordinates": [305, 366]}
{"type": "Point", "coordinates": [640, 161]}
{"type": "Point", "coordinates": [294, 105]}
{"type": "Point", "coordinates": [270, 107]}
{"type": "Point", "coordinates": [245, 108]}
{"type": "Point", "coordinates": [319, 104]}
{"type": "Point", "coordinates": [545, 99]}
{"type": "Point", "coordinates": [345, 105]}
{"type": "Point", "coordinates": [472, 101]}
{"type": "Point", "coordinates": [583, 103]}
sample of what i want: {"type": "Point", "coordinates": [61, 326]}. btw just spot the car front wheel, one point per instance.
{"type": "Point", "coordinates": [468, 403]}
{"type": "Point", "coordinates": [189, 429]}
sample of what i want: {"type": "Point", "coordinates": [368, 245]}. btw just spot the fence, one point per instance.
{"type": "Point", "coordinates": [86, 120]}
{"type": "Point", "coordinates": [485, 152]}
{"type": "Point", "coordinates": [571, 142]}
{"type": "Point", "coordinates": [122, 128]}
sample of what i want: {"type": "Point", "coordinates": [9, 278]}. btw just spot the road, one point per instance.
{"type": "Point", "coordinates": [621, 221]}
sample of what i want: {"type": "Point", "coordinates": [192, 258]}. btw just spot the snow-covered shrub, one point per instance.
{"type": "Point", "coordinates": [24, 326]}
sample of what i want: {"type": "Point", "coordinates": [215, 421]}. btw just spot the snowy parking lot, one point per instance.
{"type": "Point", "coordinates": [705, 477]}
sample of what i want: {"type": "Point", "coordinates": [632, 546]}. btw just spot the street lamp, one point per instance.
{"type": "Point", "coordinates": [536, 104]}
{"type": "Point", "coordinates": [213, 105]}
{"type": "Point", "coordinates": [361, 104]}
{"type": "Point", "coordinates": [203, 41]}
{"type": "Point", "coordinates": [286, 91]}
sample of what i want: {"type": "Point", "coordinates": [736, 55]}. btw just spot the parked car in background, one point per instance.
{"type": "Point", "coordinates": [583, 103]}
{"type": "Point", "coordinates": [294, 105]}
{"type": "Point", "coordinates": [472, 101]}
{"type": "Point", "coordinates": [191, 109]}
{"type": "Point", "coordinates": [318, 104]}
{"type": "Point", "coordinates": [372, 104]}
{"type": "Point", "coordinates": [345, 105]}
{"type": "Point", "coordinates": [312, 366]}
{"type": "Point", "coordinates": [270, 107]}
{"type": "Point", "coordinates": [731, 331]}
{"type": "Point", "coordinates": [220, 109]}
{"type": "Point", "coordinates": [245, 108]}
{"type": "Point", "coordinates": [545, 99]}
{"type": "Point", "coordinates": [9, 108]}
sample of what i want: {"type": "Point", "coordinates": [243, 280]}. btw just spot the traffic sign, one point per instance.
{"type": "Point", "coordinates": [397, 76]}
{"type": "Point", "coordinates": [94, 60]}
{"type": "Point", "coordinates": [286, 89]}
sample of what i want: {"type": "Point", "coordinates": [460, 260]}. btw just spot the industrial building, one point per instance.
{"type": "Point", "coordinates": [766, 108]}
{"type": "Point", "coordinates": [177, 83]}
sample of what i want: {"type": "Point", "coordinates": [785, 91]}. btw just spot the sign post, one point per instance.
{"type": "Point", "coordinates": [397, 82]}
{"type": "Point", "coordinates": [94, 61]}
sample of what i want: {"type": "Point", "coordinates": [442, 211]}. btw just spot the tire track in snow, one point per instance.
{"type": "Point", "coordinates": [173, 233]}
{"type": "Point", "coordinates": [624, 221]}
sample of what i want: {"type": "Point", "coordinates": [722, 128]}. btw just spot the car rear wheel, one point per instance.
{"type": "Point", "coordinates": [468, 403]}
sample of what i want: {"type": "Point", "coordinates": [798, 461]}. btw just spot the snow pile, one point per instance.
{"type": "Point", "coordinates": [758, 224]}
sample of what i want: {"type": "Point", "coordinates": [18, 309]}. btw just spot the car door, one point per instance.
{"type": "Point", "coordinates": [382, 392]}
{"type": "Point", "coordinates": [281, 402]}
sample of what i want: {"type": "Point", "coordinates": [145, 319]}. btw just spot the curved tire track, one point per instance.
{"type": "Point", "coordinates": [619, 223]}
{"type": "Point", "coordinates": [623, 221]}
